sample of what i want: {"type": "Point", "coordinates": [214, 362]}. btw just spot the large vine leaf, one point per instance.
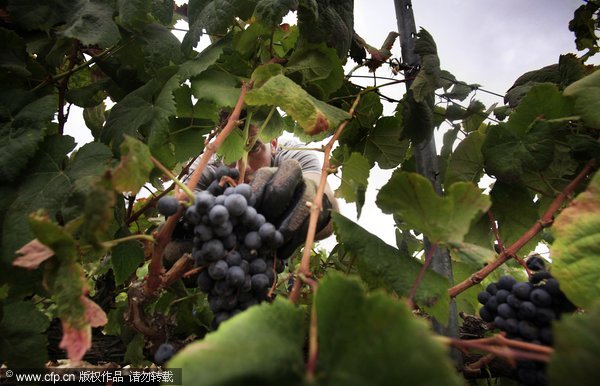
{"type": "Point", "coordinates": [319, 69]}
{"type": "Point", "coordinates": [508, 155]}
{"type": "Point", "coordinates": [543, 101]}
{"type": "Point", "coordinates": [144, 113]}
{"type": "Point", "coordinates": [22, 343]}
{"type": "Point", "coordinates": [428, 79]}
{"type": "Point", "coordinates": [515, 211]}
{"type": "Point", "coordinates": [92, 23]}
{"type": "Point", "coordinates": [261, 346]}
{"type": "Point", "coordinates": [271, 12]}
{"type": "Point", "coordinates": [329, 21]}
{"type": "Point", "coordinates": [576, 349]}
{"type": "Point", "coordinates": [21, 136]}
{"type": "Point", "coordinates": [466, 162]}
{"type": "Point", "coordinates": [311, 114]}
{"type": "Point", "coordinates": [214, 16]}
{"type": "Point", "coordinates": [383, 144]}
{"type": "Point", "coordinates": [355, 175]}
{"type": "Point", "coordinates": [38, 14]}
{"type": "Point", "coordinates": [205, 59]}
{"type": "Point", "coordinates": [48, 184]}
{"type": "Point", "coordinates": [361, 337]}
{"type": "Point", "coordinates": [442, 219]}
{"type": "Point", "coordinates": [586, 92]}
{"type": "Point", "coordinates": [14, 54]}
{"type": "Point", "coordinates": [383, 266]}
{"type": "Point", "coordinates": [216, 86]}
{"type": "Point", "coordinates": [576, 249]}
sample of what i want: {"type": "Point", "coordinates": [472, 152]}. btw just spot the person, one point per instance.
{"type": "Point", "coordinates": [284, 179]}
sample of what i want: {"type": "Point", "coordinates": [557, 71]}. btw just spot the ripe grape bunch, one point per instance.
{"type": "Point", "coordinates": [233, 245]}
{"type": "Point", "coordinates": [525, 311]}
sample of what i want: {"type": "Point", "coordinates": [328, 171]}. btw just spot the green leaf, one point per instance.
{"type": "Point", "coordinates": [132, 173]}
{"type": "Point", "coordinates": [383, 144]}
{"type": "Point", "coordinates": [92, 23]}
{"type": "Point", "coordinates": [232, 149]}
{"type": "Point", "coordinates": [418, 117]}
{"type": "Point", "coordinates": [472, 254]}
{"type": "Point", "coordinates": [460, 91]}
{"type": "Point", "coordinates": [217, 87]}
{"type": "Point", "coordinates": [355, 175]}
{"type": "Point", "coordinates": [466, 162]}
{"type": "Point", "coordinates": [135, 352]}
{"type": "Point", "coordinates": [383, 266]}
{"type": "Point", "coordinates": [44, 186]}
{"type": "Point", "coordinates": [576, 349]}
{"type": "Point", "coordinates": [576, 249]}
{"type": "Point", "coordinates": [205, 59]}
{"type": "Point", "coordinates": [515, 212]}
{"type": "Point", "coordinates": [22, 343]}
{"type": "Point", "coordinates": [508, 156]}
{"type": "Point", "coordinates": [271, 12]}
{"type": "Point", "coordinates": [361, 337]}
{"type": "Point", "coordinates": [20, 138]}
{"type": "Point", "coordinates": [159, 46]}
{"type": "Point", "coordinates": [145, 113]}
{"type": "Point", "coordinates": [586, 93]}
{"type": "Point", "coordinates": [134, 14]}
{"type": "Point", "coordinates": [317, 65]}
{"type": "Point", "coordinates": [331, 22]}
{"type": "Point", "coordinates": [584, 25]}
{"type": "Point", "coordinates": [265, 72]}
{"type": "Point", "coordinates": [262, 346]}
{"type": "Point", "coordinates": [311, 114]}
{"type": "Point", "coordinates": [428, 78]}
{"type": "Point", "coordinates": [442, 219]}
{"type": "Point", "coordinates": [36, 14]}
{"type": "Point", "coordinates": [94, 118]}
{"type": "Point", "coordinates": [98, 212]}
{"type": "Point", "coordinates": [125, 259]}
{"type": "Point", "coordinates": [543, 101]}
{"type": "Point", "coordinates": [475, 115]}
{"type": "Point", "coordinates": [214, 16]}
{"type": "Point", "coordinates": [14, 55]}
{"type": "Point", "coordinates": [467, 301]}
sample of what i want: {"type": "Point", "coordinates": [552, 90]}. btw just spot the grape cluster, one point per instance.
{"type": "Point", "coordinates": [235, 247]}
{"type": "Point", "coordinates": [525, 311]}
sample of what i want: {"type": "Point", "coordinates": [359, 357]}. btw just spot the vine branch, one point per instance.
{"type": "Point", "coordinates": [544, 222]}
{"type": "Point", "coordinates": [316, 206]}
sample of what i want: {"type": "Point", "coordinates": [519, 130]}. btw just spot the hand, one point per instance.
{"type": "Point", "coordinates": [282, 195]}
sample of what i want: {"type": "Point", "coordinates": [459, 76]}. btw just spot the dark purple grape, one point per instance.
{"type": "Point", "coordinates": [220, 200]}
{"type": "Point", "coordinates": [222, 288]}
{"type": "Point", "coordinates": [218, 270]}
{"type": "Point", "coordinates": [544, 316]}
{"type": "Point", "coordinates": [492, 304]}
{"type": "Point", "coordinates": [224, 229]}
{"type": "Point", "coordinates": [247, 286]}
{"type": "Point", "coordinates": [506, 282]}
{"type": "Point", "coordinates": [167, 205]}
{"type": "Point", "coordinates": [204, 201]}
{"type": "Point", "coordinates": [501, 295]}
{"type": "Point", "coordinates": [513, 301]}
{"type": "Point", "coordinates": [218, 215]}
{"type": "Point", "coordinates": [245, 190]}
{"type": "Point", "coordinates": [205, 282]}
{"type": "Point", "coordinates": [486, 314]}
{"type": "Point", "coordinates": [267, 232]}
{"type": "Point", "coordinates": [236, 276]}
{"type": "Point", "coordinates": [164, 352]}
{"type": "Point", "coordinates": [540, 276]}
{"type": "Point", "coordinates": [229, 241]}
{"type": "Point", "coordinates": [528, 330]}
{"type": "Point", "coordinates": [213, 249]}
{"type": "Point", "coordinates": [252, 240]}
{"type": "Point", "coordinates": [512, 326]}
{"type": "Point", "coordinates": [222, 171]}
{"type": "Point", "coordinates": [527, 310]}
{"type": "Point", "coordinates": [258, 266]}
{"type": "Point", "coordinates": [245, 266]}
{"type": "Point", "coordinates": [492, 288]}
{"type": "Point", "coordinates": [522, 290]}
{"type": "Point", "coordinates": [233, 258]}
{"type": "Point", "coordinates": [483, 297]}
{"type": "Point", "coordinates": [229, 191]}
{"type": "Point", "coordinates": [220, 317]}
{"type": "Point", "coordinates": [552, 287]}
{"type": "Point", "coordinates": [203, 232]}
{"type": "Point", "coordinates": [500, 323]}
{"type": "Point", "coordinates": [236, 204]}
{"type": "Point", "coordinates": [546, 336]}
{"type": "Point", "coordinates": [541, 298]}
{"type": "Point", "coordinates": [248, 218]}
{"type": "Point", "coordinates": [260, 282]}
{"type": "Point", "coordinates": [536, 263]}
{"type": "Point", "coordinates": [215, 189]}
{"type": "Point", "coordinates": [277, 240]}
{"type": "Point", "coordinates": [506, 311]}
{"type": "Point", "coordinates": [192, 216]}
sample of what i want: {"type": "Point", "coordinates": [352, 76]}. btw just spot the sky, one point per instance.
{"type": "Point", "coordinates": [488, 42]}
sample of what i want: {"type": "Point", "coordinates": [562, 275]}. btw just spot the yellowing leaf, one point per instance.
{"type": "Point", "coordinates": [33, 254]}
